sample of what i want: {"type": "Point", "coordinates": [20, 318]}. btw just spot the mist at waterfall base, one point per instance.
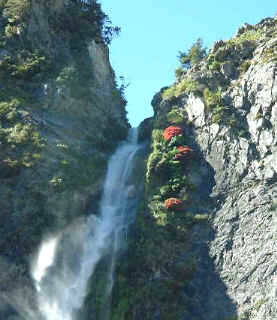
{"type": "Point", "coordinates": [66, 262]}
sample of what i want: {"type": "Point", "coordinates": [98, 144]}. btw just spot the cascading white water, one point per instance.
{"type": "Point", "coordinates": [61, 281]}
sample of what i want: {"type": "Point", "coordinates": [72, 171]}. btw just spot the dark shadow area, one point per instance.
{"type": "Point", "coordinates": [206, 294]}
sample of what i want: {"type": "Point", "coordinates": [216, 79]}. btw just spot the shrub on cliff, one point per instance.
{"type": "Point", "coordinates": [175, 116]}
{"type": "Point", "coordinates": [186, 86]}
{"type": "Point", "coordinates": [194, 55]}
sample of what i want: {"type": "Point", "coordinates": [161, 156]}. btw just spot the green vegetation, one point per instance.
{"type": "Point", "coordinates": [15, 9]}
{"type": "Point", "coordinates": [212, 99]}
{"type": "Point", "coordinates": [244, 66]}
{"type": "Point", "coordinates": [269, 54]}
{"type": "Point", "coordinates": [250, 35]}
{"type": "Point", "coordinates": [161, 162]}
{"type": "Point", "coordinates": [85, 21]}
{"type": "Point", "coordinates": [194, 55]}
{"type": "Point", "coordinates": [186, 86]}
{"type": "Point", "coordinates": [190, 58]}
{"type": "Point", "coordinates": [153, 273]}
{"type": "Point", "coordinates": [15, 13]}
{"type": "Point", "coordinates": [218, 111]}
{"type": "Point", "coordinates": [201, 217]}
{"type": "Point", "coordinates": [52, 157]}
{"type": "Point", "coordinates": [23, 65]}
{"type": "Point", "coordinates": [179, 72]}
{"type": "Point", "coordinates": [259, 303]}
{"type": "Point", "coordinates": [213, 64]}
{"type": "Point", "coordinates": [21, 143]}
{"type": "Point", "coordinates": [76, 170]}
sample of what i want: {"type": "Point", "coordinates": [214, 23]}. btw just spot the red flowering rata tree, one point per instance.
{"type": "Point", "coordinates": [173, 204]}
{"type": "Point", "coordinates": [183, 153]}
{"type": "Point", "coordinates": [171, 132]}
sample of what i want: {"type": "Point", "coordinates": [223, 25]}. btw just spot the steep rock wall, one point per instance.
{"type": "Point", "coordinates": [61, 116]}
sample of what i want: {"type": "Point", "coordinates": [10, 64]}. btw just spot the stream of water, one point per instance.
{"type": "Point", "coordinates": [65, 263]}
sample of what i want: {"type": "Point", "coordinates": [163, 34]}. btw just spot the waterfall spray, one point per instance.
{"type": "Point", "coordinates": [61, 280]}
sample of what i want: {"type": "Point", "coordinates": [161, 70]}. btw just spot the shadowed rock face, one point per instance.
{"type": "Point", "coordinates": [237, 265]}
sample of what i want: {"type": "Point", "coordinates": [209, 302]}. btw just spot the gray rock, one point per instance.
{"type": "Point", "coordinates": [245, 224]}
{"type": "Point", "coordinates": [239, 267]}
{"type": "Point", "coordinates": [229, 70]}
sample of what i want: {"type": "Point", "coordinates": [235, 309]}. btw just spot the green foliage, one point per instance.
{"type": "Point", "coordinates": [81, 20]}
{"type": "Point", "coordinates": [169, 93]}
{"type": "Point", "coordinates": [21, 142]}
{"type": "Point", "coordinates": [244, 66]}
{"type": "Point", "coordinates": [8, 111]}
{"type": "Point", "coordinates": [269, 54]}
{"type": "Point", "coordinates": [73, 79]}
{"type": "Point", "coordinates": [250, 35]}
{"type": "Point", "coordinates": [154, 158]}
{"type": "Point", "coordinates": [121, 89]}
{"type": "Point", "coordinates": [157, 138]}
{"type": "Point", "coordinates": [212, 99]}
{"type": "Point", "coordinates": [259, 303]}
{"type": "Point", "coordinates": [177, 141]}
{"type": "Point", "coordinates": [15, 10]}
{"type": "Point", "coordinates": [213, 64]}
{"type": "Point", "coordinates": [174, 186]}
{"type": "Point", "coordinates": [218, 114]}
{"type": "Point", "coordinates": [179, 72]}
{"type": "Point", "coordinates": [160, 240]}
{"type": "Point", "coordinates": [66, 76]}
{"type": "Point", "coordinates": [76, 170]}
{"type": "Point", "coordinates": [23, 65]}
{"type": "Point", "coordinates": [194, 55]}
{"type": "Point", "coordinates": [186, 86]}
{"type": "Point", "coordinates": [14, 17]}
{"type": "Point", "coordinates": [85, 21]}
{"type": "Point", "coordinates": [161, 161]}
{"type": "Point", "coordinates": [199, 218]}
{"type": "Point", "coordinates": [218, 111]}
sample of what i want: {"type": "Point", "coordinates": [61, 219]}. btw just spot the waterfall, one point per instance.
{"type": "Point", "coordinates": [65, 263]}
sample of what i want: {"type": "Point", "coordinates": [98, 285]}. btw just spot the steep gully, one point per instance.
{"type": "Point", "coordinates": [65, 262]}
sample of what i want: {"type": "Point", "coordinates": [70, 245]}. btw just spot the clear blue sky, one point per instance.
{"type": "Point", "coordinates": [154, 31]}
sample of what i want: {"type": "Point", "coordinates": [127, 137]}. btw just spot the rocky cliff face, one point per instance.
{"type": "Point", "coordinates": [216, 258]}
{"type": "Point", "coordinates": [61, 116]}
{"type": "Point", "coordinates": [203, 244]}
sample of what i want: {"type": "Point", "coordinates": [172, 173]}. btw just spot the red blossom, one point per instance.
{"type": "Point", "coordinates": [183, 152]}
{"type": "Point", "coordinates": [171, 132]}
{"type": "Point", "coordinates": [173, 204]}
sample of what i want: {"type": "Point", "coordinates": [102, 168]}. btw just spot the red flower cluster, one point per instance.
{"type": "Point", "coordinates": [173, 204]}
{"type": "Point", "coordinates": [184, 151]}
{"type": "Point", "coordinates": [171, 132]}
